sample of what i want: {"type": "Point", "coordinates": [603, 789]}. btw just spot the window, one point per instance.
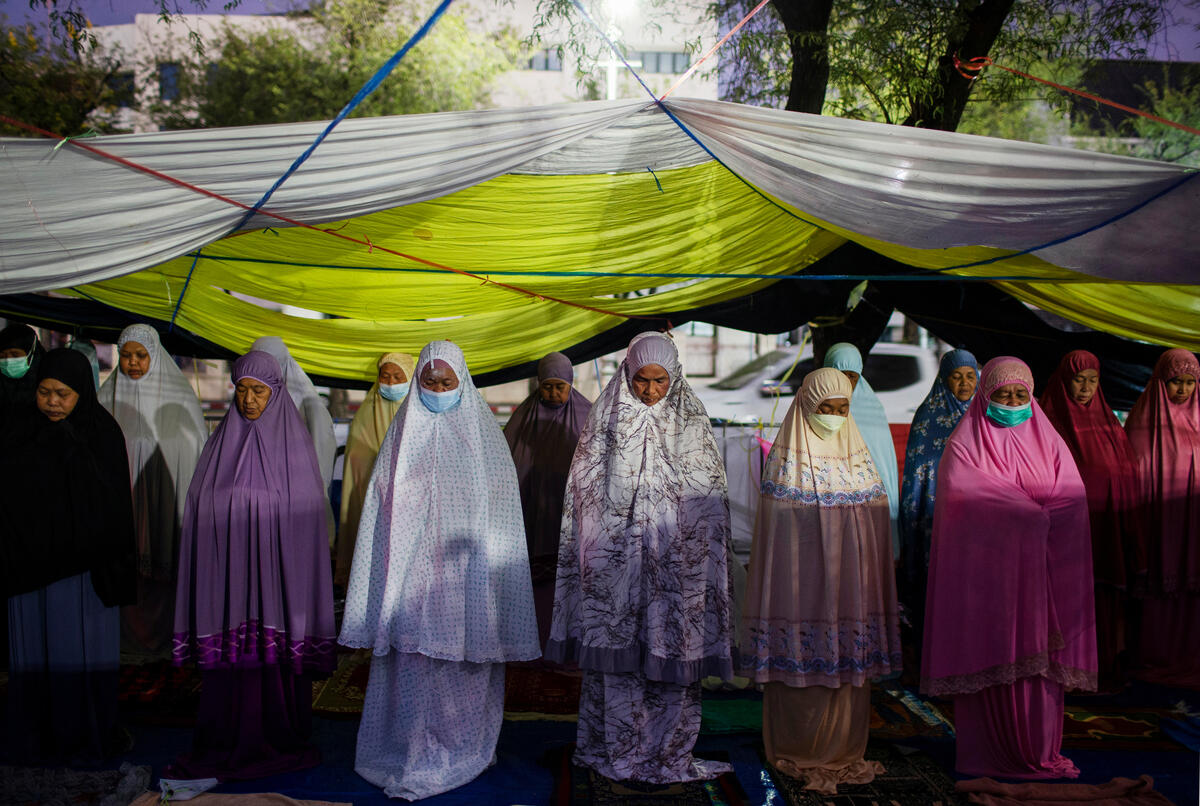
{"type": "Point", "coordinates": [123, 88]}
{"type": "Point", "coordinates": [748, 372]}
{"type": "Point", "coordinates": [658, 62]}
{"type": "Point", "coordinates": [546, 60]}
{"type": "Point", "coordinates": [887, 373]}
{"type": "Point", "coordinates": [168, 81]}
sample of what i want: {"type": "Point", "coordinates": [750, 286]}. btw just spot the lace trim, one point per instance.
{"type": "Point", "coordinates": [1006, 674]}
{"type": "Point", "coordinates": [252, 645]}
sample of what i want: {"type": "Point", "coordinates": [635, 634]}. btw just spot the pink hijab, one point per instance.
{"type": "Point", "coordinates": [1010, 572]}
{"type": "Point", "coordinates": [1166, 441]}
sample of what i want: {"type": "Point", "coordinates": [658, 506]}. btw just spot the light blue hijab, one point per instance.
{"type": "Point", "coordinates": [872, 423]}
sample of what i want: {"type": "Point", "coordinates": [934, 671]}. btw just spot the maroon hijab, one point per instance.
{"type": "Point", "coordinates": [1166, 441]}
{"type": "Point", "coordinates": [542, 439]}
{"type": "Point", "coordinates": [1106, 463]}
{"type": "Point", "coordinates": [254, 580]}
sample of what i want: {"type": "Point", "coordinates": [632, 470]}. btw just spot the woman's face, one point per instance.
{"type": "Point", "coordinates": [390, 374]}
{"type": "Point", "coordinates": [554, 391]}
{"type": "Point", "coordinates": [438, 379]}
{"type": "Point", "coordinates": [1083, 386]}
{"type": "Point", "coordinates": [55, 399]}
{"type": "Point", "coordinates": [650, 384]}
{"type": "Point", "coordinates": [12, 352]}
{"type": "Point", "coordinates": [251, 396]}
{"type": "Point", "coordinates": [853, 376]}
{"type": "Point", "coordinates": [1181, 388]}
{"type": "Point", "coordinates": [1011, 394]}
{"type": "Point", "coordinates": [834, 405]}
{"type": "Point", "coordinates": [961, 383]}
{"type": "Point", "coordinates": [133, 359]}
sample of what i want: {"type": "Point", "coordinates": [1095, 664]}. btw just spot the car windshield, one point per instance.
{"type": "Point", "coordinates": [748, 372]}
{"type": "Point", "coordinates": [797, 377]}
{"type": "Point", "coordinates": [885, 372]}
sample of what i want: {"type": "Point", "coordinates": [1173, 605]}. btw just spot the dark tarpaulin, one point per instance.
{"type": "Point", "coordinates": [963, 313]}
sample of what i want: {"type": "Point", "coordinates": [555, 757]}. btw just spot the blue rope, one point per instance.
{"type": "Point", "coordinates": [372, 84]}
{"type": "Point", "coordinates": [739, 177]}
{"type": "Point", "coordinates": [186, 283]}
{"type": "Point", "coordinates": [930, 275]}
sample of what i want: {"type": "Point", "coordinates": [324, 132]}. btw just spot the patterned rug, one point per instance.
{"type": "Point", "coordinates": [343, 692]}
{"type": "Point", "coordinates": [1109, 727]}
{"type": "Point", "coordinates": [159, 694]}
{"type": "Point", "coordinates": [912, 779]}
{"type": "Point", "coordinates": [63, 787]}
{"type": "Point", "coordinates": [579, 786]}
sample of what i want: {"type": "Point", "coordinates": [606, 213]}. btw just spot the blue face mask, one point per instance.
{"type": "Point", "coordinates": [15, 367]}
{"type": "Point", "coordinates": [1008, 416]}
{"type": "Point", "coordinates": [438, 402]}
{"type": "Point", "coordinates": [394, 391]}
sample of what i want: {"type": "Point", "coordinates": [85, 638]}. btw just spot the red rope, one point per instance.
{"type": "Point", "coordinates": [713, 49]}
{"type": "Point", "coordinates": [972, 68]}
{"type": "Point", "coordinates": [371, 247]}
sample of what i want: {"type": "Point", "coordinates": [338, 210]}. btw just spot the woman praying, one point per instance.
{"type": "Point", "coordinates": [1074, 403]}
{"type": "Point", "coordinates": [1164, 431]}
{"type": "Point", "coordinates": [20, 352]}
{"type": "Point", "coordinates": [1009, 619]}
{"type": "Point", "coordinates": [255, 603]}
{"type": "Point", "coordinates": [367, 430]}
{"type": "Point", "coordinates": [542, 434]}
{"type": "Point", "coordinates": [67, 564]}
{"type": "Point", "coordinates": [439, 589]}
{"type": "Point", "coordinates": [642, 596]}
{"type": "Point", "coordinates": [872, 422]}
{"type": "Point", "coordinates": [932, 426]}
{"type": "Point", "coordinates": [821, 615]}
{"type": "Point", "coordinates": [164, 430]}
{"type": "Point", "coordinates": [313, 411]}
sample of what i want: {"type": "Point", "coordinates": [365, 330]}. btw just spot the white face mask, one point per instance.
{"type": "Point", "coordinates": [826, 425]}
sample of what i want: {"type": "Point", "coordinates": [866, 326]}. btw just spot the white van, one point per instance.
{"type": "Point", "coordinates": [762, 390]}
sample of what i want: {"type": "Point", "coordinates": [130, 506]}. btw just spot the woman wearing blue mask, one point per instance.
{"type": "Point", "coordinates": [367, 430]}
{"type": "Point", "coordinates": [439, 589]}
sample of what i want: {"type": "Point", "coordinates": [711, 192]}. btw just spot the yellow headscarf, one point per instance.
{"type": "Point", "coordinates": [367, 431]}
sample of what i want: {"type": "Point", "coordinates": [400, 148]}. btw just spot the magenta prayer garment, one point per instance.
{"type": "Point", "coordinates": [1166, 441]}
{"type": "Point", "coordinates": [1106, 464]}
{"type": "Point", "coordinates": [1010, 574]}
{"type": "Point", "coordinates": [254, 578]}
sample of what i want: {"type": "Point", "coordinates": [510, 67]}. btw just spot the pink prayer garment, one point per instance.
{"type": "Point", "coordinates": [1010, 618]}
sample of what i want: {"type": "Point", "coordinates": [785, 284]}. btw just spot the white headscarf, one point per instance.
{"type": "Point", "coordinates": [646, 524]}
{"type": "Point", "coordinates": [440, 566]}
{"type": "Point", "coordinates": [312, 408]}
{"type": "Point", "coordinates": [164, 430]}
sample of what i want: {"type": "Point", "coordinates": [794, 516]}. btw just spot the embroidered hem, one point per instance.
{"type": "Point", "coordinates": [1005, 674]}
{"type": "Point", "coordinates": [252, 645]}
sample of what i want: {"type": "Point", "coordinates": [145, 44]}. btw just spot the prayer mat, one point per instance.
{"type": "Point", "coordinates": [63, 787]}
{"type": "Point", "coordinates": [900, 713]}
{"type": "Point", "coordinates": [912, 779]}
{"type": "Point", "coordinates": [531, 692]}
{"type": "Point", "coordinates": [1110, 727]}
{"type": "Point", "coordinates": [343, 692]}
{"type": "Point", "coordinates": [741, 715]}
{"type": "Point", "coordinates": [255, 799]}
{"type": "Point", "coordinates": [1117, 792]}
{"type": "Point", "coordinates": [159, 693]}
{"type": "Point", "coordinates": [580, 786]}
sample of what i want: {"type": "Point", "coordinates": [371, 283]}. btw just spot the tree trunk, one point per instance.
{"type": "Point", "coordinates": [807, 26]}
{"type": "Point", "coordinates": [980, 24]}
